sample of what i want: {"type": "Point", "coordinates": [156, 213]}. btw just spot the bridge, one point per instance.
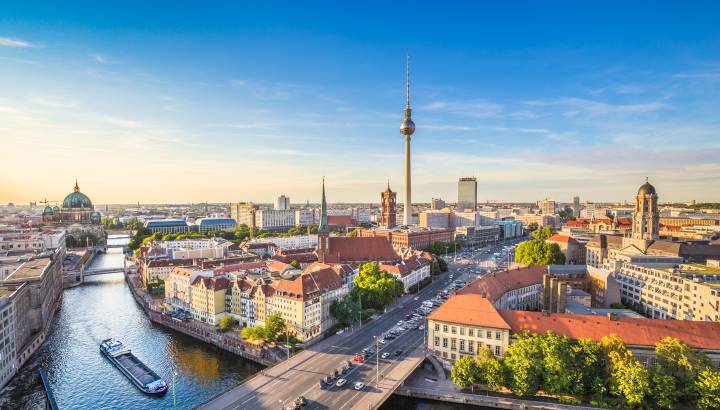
{"type": "Point", "coordinates": [300, 375]}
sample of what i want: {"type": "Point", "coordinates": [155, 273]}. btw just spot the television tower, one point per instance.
{"type": "Point", "coordinates": [407, 128]}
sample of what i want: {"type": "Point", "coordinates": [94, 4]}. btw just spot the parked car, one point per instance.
{"type": "Point", "coordinates": [359, 386]}
{"type": "Point", "coordinates": [341, 383]}
{"type": "Point", "coordinates": [385, 355]}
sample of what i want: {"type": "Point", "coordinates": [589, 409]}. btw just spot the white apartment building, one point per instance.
{"type": "Point", "coordinates": [18, 240]}
{"type": "Point", "coordinates": [198, 248]}
{"type": "Point", "coordinates": [305, 217]}
{"type": "Point", "coordinates": [282, 203]}
{"type": "Point", "coordinates": [291, 242]}
{"type": "Point", "coordinates": [8, 364]}
{"type": "Point", "coordinates": [274, 220]}
{"type": "Point", "coordinates": [435, 219]}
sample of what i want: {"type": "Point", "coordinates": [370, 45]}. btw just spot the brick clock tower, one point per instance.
{"type": "Point", "coordinates": [388, 215]}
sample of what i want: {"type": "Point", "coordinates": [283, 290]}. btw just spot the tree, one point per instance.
{"type": "Point", "coordinates": [524, 364]}
{"type": "Point", "coordinates": [345, 310]}
{"type": "Point", "coordinates": [491, 371]}
{"type": "Point", "coordinates": [537, 252]}
{"type": "Point", "coordinates": [438, 248]}
{"type": "Point", "coordinates": [542, 234]}
{"type": "Point", "coordinates": [465, 372]}
{"type": "Point", "coordinates": [663, 388]}
{"type": "Point", "coordinates": [254, 333]}
{"type": "Point", "coordinates": [559, 374]}
{"type": "Point", "coordinates": [633, 381]}
{"type": "Point", "coordinates": [226, 323]}
{"type": "Point", "coordinates": [588, 359]}
{"type": "Point", "coordinates": [275, 326]}
{"type": "Point", "coordinates": [683, 364]}
{"type": "Point", "coordinates": [442, 265]}
{"type": "Point", "coordinates": [376, 288]}
{"type": "Point", "coordinates": [295, 264]}
{"type": "Point", "coordinates": [707, 386]}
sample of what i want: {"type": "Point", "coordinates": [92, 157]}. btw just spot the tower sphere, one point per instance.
{"type": "Point", "coordinates": [407, 127]}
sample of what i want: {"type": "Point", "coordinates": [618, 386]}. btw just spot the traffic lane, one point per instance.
{"type": "Point", "coordinates": [334, 396]}
{"type": "Point", "coordinates": [298, 373]}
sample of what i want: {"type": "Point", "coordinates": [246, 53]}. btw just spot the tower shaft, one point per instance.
{"type": "Point", "coordinates": [408, 197]}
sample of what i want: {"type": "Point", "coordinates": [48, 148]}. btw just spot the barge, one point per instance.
{"type": "Point", "coordinates": [139, 374]}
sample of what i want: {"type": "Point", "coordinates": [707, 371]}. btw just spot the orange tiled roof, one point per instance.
{"type": "Point", "coordinates": [360, 249]}
{"type": "Point", "coordinates": [633, 331]}
{"type": "Point", "coordinates": [471, 309]}
{"type": "Point", "coordinates": [494, 285]}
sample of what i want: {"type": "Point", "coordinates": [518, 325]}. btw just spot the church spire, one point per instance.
{"type": "Point", "coordinates": [77, 187]}
{"type": "Point", "coordinates": [323, 211]}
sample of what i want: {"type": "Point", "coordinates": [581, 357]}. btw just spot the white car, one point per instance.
{"type": "Point", "coordinates": [416, 298]}
{"type": "Point", "coordinates": [399, 323]}
{"type": "Point", "coordinates": [422, 327]}
{"type": "Point", "coordinates": [340, 383]}
{"type": "Point", "coordinates": [385, 355]}
{"type": "Point", "coordinates": [359, 385]}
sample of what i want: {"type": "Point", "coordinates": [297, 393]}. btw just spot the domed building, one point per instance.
{"type": "Point", "coordinates": [76, 208]}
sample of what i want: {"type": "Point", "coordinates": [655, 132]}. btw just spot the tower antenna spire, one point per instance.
{"type": "Point", "coordinates": [407, 80]}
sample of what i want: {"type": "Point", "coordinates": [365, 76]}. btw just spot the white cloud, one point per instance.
{"type": "Point", "coordinates": [574, 106]}
{"type": "Point", "coordinates": [478, 108]}
{"type": "Point", "coordinates": [15, 42]}
{"type": "Point", "coordinates": [101, 59]}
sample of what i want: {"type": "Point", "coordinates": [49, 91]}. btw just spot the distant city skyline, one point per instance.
{"type": "Point", "coordinates": [243, 103]}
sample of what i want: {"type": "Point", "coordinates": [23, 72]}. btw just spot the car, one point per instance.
{"type": "Point", "coordinates": [416, 298]}
{"type": "Point", "coordinates": [359, 386]}
{"type": "Point", "coordinates": [381, 341]}
{"type": "Point", "coordinates": [340, 383]}
{"type": "Point", "coordinates": [339, 332]}
{"type": "Point", "coordinates": [358, 358]}
{"type": "Point", "coordinates": [408, 316]}
{"type": "Point", "coordinates": [422, 327]}
{"type": "Point", "coordinates": [399, 323]}
{"type": "Point", "coordinates": [385, 355]}
{"type": "Point", "coordinates": [398, 352]}
{"type": "Point", "coordinates": [344, 370]}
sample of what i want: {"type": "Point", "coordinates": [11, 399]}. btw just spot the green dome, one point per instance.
{"type": "Point", "coordinates": [77, 199]}
{"type": "Point", "coordinates": [48, 210]}
{"type": "Point", "coordinates": [56, 208]}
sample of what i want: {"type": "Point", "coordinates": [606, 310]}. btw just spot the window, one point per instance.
{"type": "Point", "coordinates": [462, 345]}
{"type": "Point", "coordinates": [437, 341]}
{"type": "Point", "coordinates": [445, 344]}
{"type": "Point", "coordinates": [497, 335]}
{"type": "Point", "coordinates": [445, 328]}
{"type": "Point", "coordinates": [497, 350]}
{"type": "Point", "coordinates": [452, 356]}
{"type": "Point", "coordinates": [470, 346]}
{"type": "Point", "coordinates": [462, 331]}
{"type": "Point", "coordinates": [471, 332]}
{"type": "Point", "coordinates": [453, 330]}
{"type": "Point", "coordinates": [437, 326]}
{"type": "Point", "coordinates": [489, 334]}
{"type": "Point", "coordinates": [453, 344]}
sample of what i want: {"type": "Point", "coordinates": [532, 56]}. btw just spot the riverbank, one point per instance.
{"type": "Point", "coordinates": [201, 331]}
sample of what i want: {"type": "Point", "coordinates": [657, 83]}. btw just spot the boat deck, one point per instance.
{"type": "Point", "coordinates": [137, 368]}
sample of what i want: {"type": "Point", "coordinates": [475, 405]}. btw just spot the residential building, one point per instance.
{"type": "Point", "coordinates": [191, 248]}
{"type": "Point", "coordinates": [437, 219]}
{"type": "Point", "coordinates": [274, 220]}
{"type": "Point", "coordinates": [207, 298]}
{"type": "Point", "coordinates": [290, 242]}
{"type": "Point", "coordinates": [576, 206]}
{"type": "Point", "coordinates": [206, 225]}
{"type": "Point", "coordinates": [153, 270]}
{"type": "Point", "coordinates": [467, 218]}
{"type": "Point", "coordinates": [573, 250]}
{"type": "Point", "coordinates": [437, 204]}
{"type": "Point", "coordinates": [520, 288]}
{"type": "Point", "coordinates": [244, 213]}
{"type": "Point", "coordinates": [282, 203]}
{"type": "Point", "coordinates": [464, 325]}
{"type": "Point", "coordinates": [411, 238]}
{"type": "Point", "coordinates": [553, 221]}
{"type": "Point", "coordinates": [467, 194]}
{"type": "Point", "coordinates": [305, 217]}
{"type": "Point", "coordinates": [410, 271]}
{"type": "Point", "coordinates": [548, 206]}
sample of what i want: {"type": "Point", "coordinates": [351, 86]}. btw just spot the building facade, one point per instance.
{"type": "Point", "coordinates": [388, 214]}
{"type": "Point", "coordinates": [467, 194]}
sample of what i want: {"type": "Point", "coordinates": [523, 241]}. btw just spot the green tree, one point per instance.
{"type": "Point", "coordinates": [536, 252]}
{"type": "Point", "coordinates": [438, 248]}
{"type": "Point", "coordinates": [491, 371]}
{"type": "Point", "coordinates": [683, 364]}
{"type": "Point", "coordinates": [345, 310]}
{"type": "Point", "coordinates": [226, 323]}
{"type": "Point", "coordinates": [663, 388]}
{"type": "Point", "coordinates": [376, 288]}
{"type": "Point", "coordinates": [542, 234]}
{"type": "Point", "coordinates": [588, 358]}
{"type": "Point", "coordinates": [275, 326]}
{"type": "Point", "coordinates": [524, 365]}
{"type": "Point", "coordinates": [560, 376]}
{"type": "Point", "coordinates": [465, 372]}
{"type": "Point", "coordinates": [442, 265]}
{"type": "Point", "coordinates": [633, 381]}
{"type": "Point", "coordinates": [295, 264]}
{"type": "Point", "coordinates": [254, 333]}
{"type": "Point", "coordinates": [707, 386]}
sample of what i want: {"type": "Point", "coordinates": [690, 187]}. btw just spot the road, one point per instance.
{"type": "Point", "coordinates": [302, 373]}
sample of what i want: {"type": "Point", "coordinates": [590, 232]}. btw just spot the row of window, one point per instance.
{"type": "Point", "coordinates": [470, 331]}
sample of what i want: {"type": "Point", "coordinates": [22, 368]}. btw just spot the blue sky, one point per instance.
{"type": "Point", "coordinates": [189, 103]}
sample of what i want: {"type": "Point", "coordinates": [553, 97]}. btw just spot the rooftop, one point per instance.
{"type": "Point", "coordinates": [469, 309]}
{"type": "Point", "coordinates": [31, 269]}
{"type": "Point", "coordinates": [494, 285]}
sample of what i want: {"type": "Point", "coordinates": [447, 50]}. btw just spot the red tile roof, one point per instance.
{"type": "Point", "coordinates": [494, 285]}
{"type": "Point", "coordinates": [218, 283]}
{"type": "Point", "coordinates": [340, 220]}
{"type": "Point", "coordinates": [405, 267]}
{"type": "Point", "coordinates": [633, 331]}
{"type": "Point", "coordinates": [360, 249]}
{"type": "Point", "coordinates": [469, 309]}
{"type": "Point", "coordinates": [309, 284]}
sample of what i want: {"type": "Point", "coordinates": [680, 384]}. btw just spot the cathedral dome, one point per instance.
{"type": "Point", "coordinates": [647, 189]}
{"type": "Point", "coordinates": [77, 199]}
{"type": "Point", "coordinates": [56, 208]}
{"type": "Point", "coordinates": [48, 210]}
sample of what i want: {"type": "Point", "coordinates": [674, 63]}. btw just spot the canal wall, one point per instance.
{"type": "Point", "coordinates": [486, 401]}
{"type": "Point", "coordinates": [201, 331]}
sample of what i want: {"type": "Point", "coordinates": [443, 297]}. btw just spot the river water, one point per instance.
{"type": "Point", "coordinates": [82, 378]}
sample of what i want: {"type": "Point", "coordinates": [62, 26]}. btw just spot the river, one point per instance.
{"type": "Point", "coordinates": [82, 378]}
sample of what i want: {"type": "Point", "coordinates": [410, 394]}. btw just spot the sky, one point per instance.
{"type": "Point", "coordinates": [162, 102]}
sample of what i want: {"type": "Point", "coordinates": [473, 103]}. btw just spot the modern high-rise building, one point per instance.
{"type": "Point", "coordinates": [437, 204]}
{"type": "Point", "coordinates": [282, 203]}
{"type": "Point", "coordinates": [548, 206]}
{"type": "Point", "coordinates": [576, 206]}
{"type": "Point", "coordinates": [387, 213]}
{"type": "Point", "coordinates": [467, 194]}
{"type": "Point", "coordinates": [407, 128]}
{"type": "Point", "coordinates": [244, 213]}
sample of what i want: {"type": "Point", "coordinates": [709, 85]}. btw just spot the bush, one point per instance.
{"type": "Point", "coordinates": [227, 323]}
{"type": "Point", "coordinates": [366, 313]}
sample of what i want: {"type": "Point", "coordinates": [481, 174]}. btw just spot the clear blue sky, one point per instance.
{"type": "Point", "coordinates": [161, 102]}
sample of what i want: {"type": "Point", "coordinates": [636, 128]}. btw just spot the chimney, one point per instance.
{"type": "Point", "coordinates": [612, 316]}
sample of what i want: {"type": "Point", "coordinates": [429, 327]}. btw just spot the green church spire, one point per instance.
{"type": "Point", "coordinates": [323, 211]}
